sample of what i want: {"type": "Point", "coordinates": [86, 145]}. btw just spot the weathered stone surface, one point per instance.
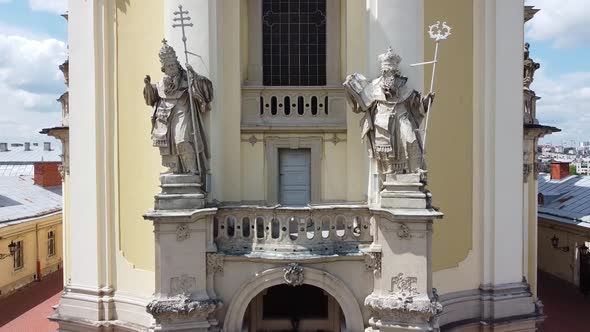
{"type": "Point", "coordinates": [182, 307]}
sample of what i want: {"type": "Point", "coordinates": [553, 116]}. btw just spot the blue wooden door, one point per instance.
{"type": "Point", "coordinates": [294, 173]}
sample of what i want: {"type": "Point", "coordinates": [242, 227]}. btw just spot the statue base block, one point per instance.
{"type": "Point", "coordinates": [180, 192]}
{"type": "Point", "coordinates": [405, 191]}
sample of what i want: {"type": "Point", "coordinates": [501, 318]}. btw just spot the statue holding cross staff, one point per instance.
{"type": "Point", "coordinates": [395, 121]}
{"type": "Point", "coordinates": [179, 101]}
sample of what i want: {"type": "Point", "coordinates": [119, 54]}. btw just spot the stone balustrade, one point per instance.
{"type": "Point", "coordinates": [308, 231]}
{"type": "Point", "coordinates": [289, 107]}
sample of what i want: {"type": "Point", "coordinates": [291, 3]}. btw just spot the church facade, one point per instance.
{"type": "Point", "coordinates": [282, 221]}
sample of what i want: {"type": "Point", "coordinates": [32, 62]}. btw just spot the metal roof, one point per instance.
{"type": "Point", "coordinates": [568, 198]}
{"type": "Point", "coordinates": [17, 154]}
{"type": "Point", "coordinates": [20, 199]}
{"type": "Point", "coordinates": [17, 169]}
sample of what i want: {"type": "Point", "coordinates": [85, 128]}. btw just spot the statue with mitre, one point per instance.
{"type": "Point", "coordinates": [179, 101]}
{"type": "Point", "coordinates": [394, 116]}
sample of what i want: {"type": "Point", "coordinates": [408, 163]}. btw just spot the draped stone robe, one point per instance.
{"type": "Point", "coordinates": [392, 124]}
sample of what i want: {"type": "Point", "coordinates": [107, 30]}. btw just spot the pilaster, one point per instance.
{"type": "Point", "coordinates": [87, 297]}
{"type": "Point", "coordinates": [498, 69]}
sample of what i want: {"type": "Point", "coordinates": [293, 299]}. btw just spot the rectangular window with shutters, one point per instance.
{"type": "Point", "coordinates": [50, 243]}
{"type": "Point", "coordinates": [18, 259]}
{"type": "Point", "coordinates": [294, 42]}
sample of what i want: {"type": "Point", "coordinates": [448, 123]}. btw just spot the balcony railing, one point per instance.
{"type": "Point", "coordinates": [293, 107]}
{"type": "Point", "coordinates": [313, 231]}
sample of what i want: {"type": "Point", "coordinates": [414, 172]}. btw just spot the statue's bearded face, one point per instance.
{"type": "Point", "coordinates": [171, 77]}
{"type": "Point", "coordinates": [171, 68]}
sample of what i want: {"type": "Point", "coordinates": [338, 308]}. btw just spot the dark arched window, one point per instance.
{"type": "Point", "coordinates": [294, 42]}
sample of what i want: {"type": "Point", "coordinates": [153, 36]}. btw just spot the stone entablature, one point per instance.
{"type": "Point", "coordinates": [293, 232]}
{"type": "Point", "coordinates": [275, 108]}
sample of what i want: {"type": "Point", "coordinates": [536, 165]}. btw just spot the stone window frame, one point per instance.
{"type": "Point", "coordinates": [51, 243]}
{"type": "Point", "coordinates": [272, 146]}
{"type": "Point", "coordinates": [333, 44]}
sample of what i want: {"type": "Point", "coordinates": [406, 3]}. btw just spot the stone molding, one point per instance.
{"type": "Point", "coordinates": [182, 307]}
{"type": "Point", "coordinates": [489, 305]}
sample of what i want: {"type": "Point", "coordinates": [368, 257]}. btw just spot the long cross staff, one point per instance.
{"type": "Point", "coordinates": [182, 17]}
{"type": "Point", "coordinates": [437, 32]}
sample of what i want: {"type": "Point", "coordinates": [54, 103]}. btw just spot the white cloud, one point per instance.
{"type": "Point", "coordinates": [30, 83]}
{"type": "Point", "coordinates": [564, 23]}
{"type": "Point", "coordinates": [52, 6]}
{"type": "Point", "coordinates": [565, 103]}
{"type": "Point", "coordinates": [5, 1]}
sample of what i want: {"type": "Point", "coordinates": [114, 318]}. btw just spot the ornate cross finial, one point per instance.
{"type": "Point", "coordinates": [182, 17]}
{"type": "Point", "coordinates": [438, 31]}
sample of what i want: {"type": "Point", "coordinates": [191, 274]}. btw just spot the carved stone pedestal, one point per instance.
{"type": "Point", "coordinates": [402, 312]}
{"type": "Point", "coordinates": [183, 300]}
{"type": "Point", "coordinates": [180, 191]}
{"type": "Point", "coordinates": [403, 298]}
{"type": "Point", "coordinates": [404, 191]}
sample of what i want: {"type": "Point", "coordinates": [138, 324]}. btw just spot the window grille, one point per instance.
{"type": "Point", "coordinates": [294, 42]}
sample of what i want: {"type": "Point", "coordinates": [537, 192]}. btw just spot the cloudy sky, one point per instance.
{"type": "Point", "coordinates": [33, 43]}
{"type": "Point", "coordinates": [560, 41]}
{"type": "Point", "coordinates": [32, 46]}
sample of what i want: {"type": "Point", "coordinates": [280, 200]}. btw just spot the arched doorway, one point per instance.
{"type": "Point", "coordinates": [304, 308]}
{"type": "Point", "coordinates": [236, 311]}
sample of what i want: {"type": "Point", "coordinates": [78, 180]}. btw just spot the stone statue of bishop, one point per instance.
{"type": "Point", "coordinates": [173, 120]}
{"type": "Point", "coordinates": [393, 118]}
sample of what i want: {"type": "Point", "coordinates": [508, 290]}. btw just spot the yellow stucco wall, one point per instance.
{"type": "Point", "coordinates": [562, 264]}
{"type": "Point", "coordinates": [254, 168]}
{"type": "Point", "coordinates": [33, 234]}
{"type": "Point", "coordinates": [354, 60]}
{"type": "Point", "coordinates": [450, 131]}
{"type": "Point", "coordinates": [140, 29]}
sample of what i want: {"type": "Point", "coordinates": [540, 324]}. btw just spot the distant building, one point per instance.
{"type": "Point", "coordinates": [30, 225]}
{"type": "Point", "coordinates": [582, 165]}
{"type": "Point", "coordinates": [19, 158]}
{"type": "Point", "coordinates": [564, 222]}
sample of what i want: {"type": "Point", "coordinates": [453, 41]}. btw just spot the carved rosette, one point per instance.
{"type": "Point", "coordinates": [294, 274]}
{"type": "Point", "coordinates": [182, 232]}
{"type": "Point", "coordinates": [373, 262]}
{"type": "Point", "coordinates": [214, 263]}
{"type": "Point", "coordinates": [404, 232]}
{"type": "Point", "coordinates": [182, 307]}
